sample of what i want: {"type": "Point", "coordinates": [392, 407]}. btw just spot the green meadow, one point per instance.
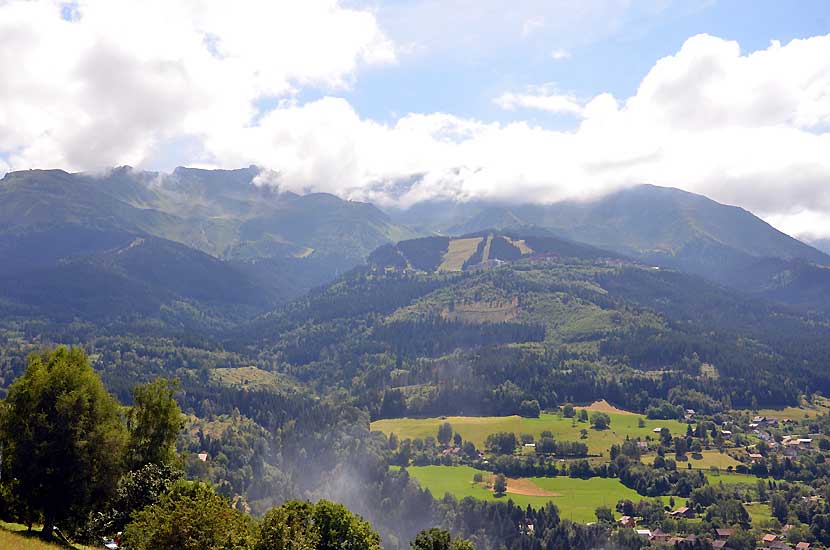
{"type": "Point", "coordinates": [577, 499]}
{"type": "Point", "coordinates": [477, 428]}
{"type": "Point", "coordinates": [732, 478]}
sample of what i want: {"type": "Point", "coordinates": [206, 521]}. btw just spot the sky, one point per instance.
{"type": "Point", "coordinates": [400, 101]}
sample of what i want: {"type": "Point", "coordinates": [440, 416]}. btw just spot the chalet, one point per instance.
{"type": "Point", "coordinates": [683, 512]}
{"type": "Point", "coordinates": [203, 457]}
{"type": "Point", "coordinates": [657, 430]}
{"type": "Point", "coordinates": [645, 533]}
{"type": "Point", "coordinates": [768, 539]}
{"type": "Point", "coordinates": [719, 545]}
{"type": "Point", "coordinates": [802, 546]}
{"type": "Point", "coordinates": [726, 433]}
{"type": "Point", "coordinates": [755, 457]}
{"type": "Point", "coordinates": [627, 521]}
{"type": "Point", "coordinates": [724, 534]}
{"type": "Point", "coordinates": [763, 422]}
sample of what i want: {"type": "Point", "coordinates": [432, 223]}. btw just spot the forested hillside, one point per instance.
{"type": "Point", "coordinates": [551, 327]}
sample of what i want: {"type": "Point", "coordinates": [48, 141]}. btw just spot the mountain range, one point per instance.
{"type": "Point", "coordinates": [207, 247]}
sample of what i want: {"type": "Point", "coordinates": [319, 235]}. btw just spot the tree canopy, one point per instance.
{"type": "Point", "coordinates": [63, 435]}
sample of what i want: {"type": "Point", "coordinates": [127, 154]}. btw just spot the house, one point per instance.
{"type": "Point", "coordinates": [802, 546]}
{"type": "Point", "coordinates": [719, 545]}
{"type": "Point", "coordinates": [645, 533]}
{"type": "Point", "coordinates": [768, 539]}
{"type": "Point", "coordinates": [627, 521]}
{"type": "Point", "coordinates": [724, 534]}
{"type": "Point", "coordinates": [642, 445]}
{"type": "Point", "coordinates": [203, 457]}
{"type": "Point", "coordinates": [755, 457]}
{"type": "Point", "coordinates": [526, 527]}
{"type": "Point", "coordinates": [726, 433]}
{"type": "Point", "coordinates": [683, 512]}
{"type": "Point", "coordinates": [657, 430]}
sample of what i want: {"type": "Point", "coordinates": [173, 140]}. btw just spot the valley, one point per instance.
{"type": "Point", "coordinates": [321, 348]}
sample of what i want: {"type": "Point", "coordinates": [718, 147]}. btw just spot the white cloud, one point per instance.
{"type": "Point", "coordinates": [532, 25]}
{"type": "Point", "coordinates": [122, 77]}
{"type": "Point", "coordinates": [747, 129]}
{"type": "Point", "coordinates": [560, 54]}
{"type": "Point", "coordinates": [543, 98]}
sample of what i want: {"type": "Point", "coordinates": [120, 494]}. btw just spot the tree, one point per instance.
{"type": "Point", "coordinates": [742, 540]}
{"type": "Point", "coordinates": [63, 437]}
{"type": "Point", "coordinates": [530, 409]}
{"type": "Point", "coordinates": [288, 527]}
{"type": "Point", "coordinates": [778, 506]}
{"type": "Point", "coordinates": [546, 445]}
{"type": "Point", "coordinates": [604, 515]}
{"type": "Point", "coordinates": [438, 539]}
{"type": "Point", "coordinates": [568, 410]}
{"type": "Point", "coordinates": [445, 433]}
{"type": "Point", "coordinates": [300, 525]}
{"type": "Point", "coordinates": [136, 490]}
{"type": "Point", "coordinates": [583, 415]}
{"type": "Point", "coordinates": [154, 422]}
{"type": "Point", "coordinates": [502, 442]}
{"type": "Point", "coordinates": [500, 485]}
{"type": "Point", "coordinates": [341, 530]}
{"type": "Point", "coordinates": [600, 420]}
{"type": "Point", "coordinates": [191, 516]}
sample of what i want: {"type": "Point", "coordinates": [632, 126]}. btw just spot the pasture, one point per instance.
{"type": "Point", "coordinates": [477, 428]}
{"type": "Point", "coordinates": [709, 458]}
{"type": "Point", "coordinates": [577, 499]}
{"type": "Point", "coordinates": [15, 537]}
{"type": "Point", "coordinates": [731, 478]}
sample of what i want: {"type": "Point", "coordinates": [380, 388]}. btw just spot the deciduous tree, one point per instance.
{"type": "Point", "coordinates": [63, 437]}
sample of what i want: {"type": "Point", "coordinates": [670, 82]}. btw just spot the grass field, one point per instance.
{"type": "Point", "coordinates": [819, 405]}
{"type": "Point", "coordinates": [477, 428]}
{"type": "Point", "coordinates": [248, 377]}
{"type": "Point", "coordinates": [760, 513]}
{"type": "Point", "coordinates": [14, 537]}
{"type": "Point", "coordinates": [728, 478]}
{"type": "Point", "coordinates": [577, 499]}
{"type": "Point", "coordinates": [459, 251]}
{"type": "Point", "coordinates": [710, 458]}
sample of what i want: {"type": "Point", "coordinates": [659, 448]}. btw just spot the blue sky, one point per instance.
{"type": "Point", "coordinates": [527, 101]}
{"type": "Point", "coordinates": [464, 82]}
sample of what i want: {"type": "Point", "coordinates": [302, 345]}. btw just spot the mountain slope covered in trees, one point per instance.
{"type": "Point", "coordinates": [548, 327]}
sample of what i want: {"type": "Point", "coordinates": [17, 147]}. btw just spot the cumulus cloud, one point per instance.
{"type": "Point", "coordinates": [106, 81]}
{"type": "Point", "coordinates": [111, 82]}
{"type": "Point", "coordinates": [744, 128]}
